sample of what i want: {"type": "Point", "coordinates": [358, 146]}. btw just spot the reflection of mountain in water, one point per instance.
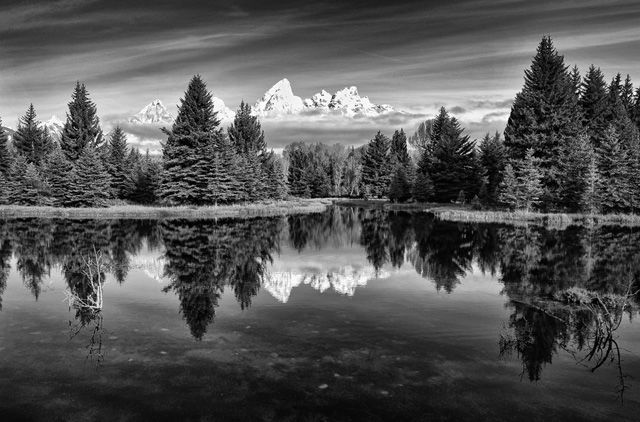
{"type": "Point", "coordinates": [152, 266]}
{"type": "Point", "coordinates": [344, 281]}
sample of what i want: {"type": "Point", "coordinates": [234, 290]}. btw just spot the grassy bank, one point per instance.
{"type": "Point", "coordinates": [463, 213]}
{"type": "Point", "coordinates": [258, 209]}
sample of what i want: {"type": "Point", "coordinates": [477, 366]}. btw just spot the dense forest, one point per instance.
{"type": "Point", "coordinates": [571, 144]}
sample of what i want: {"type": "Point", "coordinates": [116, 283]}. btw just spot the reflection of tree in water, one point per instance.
{"type": "Point", "coordinates": [32, 251]}
{"type": "Point", "coordinates": [579, 321]}
{"type": "Point", "coordinates": [6, 252]}
{"type": "Point", "coordinates": [336, 227]}
{"type": "Point", "coordinates": [203, 256]}
{"type": "Point", "coordinates": [375, 236]}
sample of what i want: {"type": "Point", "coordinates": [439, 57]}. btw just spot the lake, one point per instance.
{"type": "Point", "coordinates": [352, 314]}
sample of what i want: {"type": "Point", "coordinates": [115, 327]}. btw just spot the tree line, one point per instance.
{"type": "Point", "coordinates": [571, 144]}
{"type": "Point", "coordinates": [201, 164]}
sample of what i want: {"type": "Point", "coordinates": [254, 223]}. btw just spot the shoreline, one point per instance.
{"type": "Point", "coordinates": [257, 209]}
{"type": "Point", "coordinates": [464, 214]}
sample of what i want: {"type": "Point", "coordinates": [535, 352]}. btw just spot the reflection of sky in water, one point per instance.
{"type": "Point", "coordinates": [392, 346]}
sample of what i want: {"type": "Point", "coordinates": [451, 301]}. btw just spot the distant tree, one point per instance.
{"type": "Point", "coordinates": [187, 152]}
{"type": "Point", "coordinates": [593, 104]}
{"type": "Point", "coordinates": [376, 169]}
{"type": "Point", "coordinates": [626, 96]}
{"type": "Point", "coordinates": [224, 179]}
{"type": "Point", "coordinates": [59, 176]}
{"type": "Point", "coordinates": [453, 164]}
{"type": "Point", "coordinates": [351, 173]}
{"type": "Point", "coordinates": [299, 161]}
{"type": "Point", "coordinates": [276, 186]}
{"type": "Point", "coordinates": [27, 188]}
{"type": "Point", "coordinates": [398, 149]}
{"type": "Point", "coordinates": [31, 140]}
{"type": "Point", "coordinates": [616, 114]}
{"type": "Point", "coordinates": [146, 180]}
{"type": "Point", "coordinates": [544, 115]}
{"type": "Point", "coordinates": [90, 181]}
{"type": "Point", "coordinates": [400, 189]}
{"type": "Point", "coordinates": [574, 165]}
{"type": "Point", "coordinates": [509, 190]}
{"type": "Point", "coordinates": [120, 173]}
{"type": "Point", "coordinates": [82, 127]}
{"type": "Point", "coordinates": [590, 202]}
{"type": "Point", "coordinates": [493, 158]}
{"type": "Point", "coordinates": [423, 187]}
{"type": "Point", "coordinates": [530, 182]}
{"type": "Point", "coordinates": [613, 165]}
{"type": "Point", "coordinates": [6, 159]}
{"type": "Point", "coordinates": [246, 133]}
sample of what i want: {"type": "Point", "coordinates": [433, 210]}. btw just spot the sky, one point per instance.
{"type": "Point", "coordinates": [415, 55]}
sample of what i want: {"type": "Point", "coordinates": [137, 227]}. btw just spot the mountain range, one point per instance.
{"type": "Point", "coordinates": [277, 101]}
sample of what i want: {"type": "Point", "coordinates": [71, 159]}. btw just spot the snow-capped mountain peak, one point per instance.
{"type": "Point", "coordinates": [320, 100]}
{"type": "Point", "coordinates": [349, 102]}
{"type": "Point", "coordinates": [154, 112]}
{"type": "Point", "coordinates": [279, 99]}
{"type": "Point", "coordinates": [54, 126]}
{"type": "Point", "coordinates": [225, 114]}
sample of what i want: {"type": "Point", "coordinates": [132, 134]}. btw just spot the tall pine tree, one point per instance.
{"type": "Point", "coordinates": [187, 152]}
{"type": "Point", "coordinates": [121, 183]}
{"type": "Point", "coordinates": [544, 115]}
{"type": "Point", "coordinates": [31, 140]}
{"type": "Point", "coordinates": [376, 168]}
{"type": "Point", "coordinates": [6, 159]}
{"type": "Point", "coordinates": [82, 127]}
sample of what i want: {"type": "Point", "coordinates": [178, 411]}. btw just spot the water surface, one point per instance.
{"type": "Point", "coordinates": [351, 314]}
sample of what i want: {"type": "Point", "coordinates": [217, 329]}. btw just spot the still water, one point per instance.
{"type": "Point", "coordinates": [351, 314]}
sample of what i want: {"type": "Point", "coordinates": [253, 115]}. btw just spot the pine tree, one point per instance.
{"type": "Point", "coordinates": [398, 150]}
{"type": "Point", "coordinates": [187, 152]}
{"type": "Point", "coordinates": [613, 162]}
{"type": "Point", "coordinates": [423, 187]}
{"type": "Point", "coordinates": [493, 157]}
{"type": "Point", "coordinates": [59, 177]}
{"type": "Point", "coordinates": [276, 185]}
{"type": "Point", "coordinates": [544, 115]}
{"type": "Point", "coordinates": [590, 203]}
{"type": "Point", "coordinates": [31, 140]}
{"type": "Point", "coordinates": [626, 96]}
{"type": "Point", "coordinates": [6, 160]}
{"type": "Point", "coordinates": [247, 138]}
{"type": "Point", "coordinates": [574, 165]}
{"type": "Point", "coordinates": [82, 128]}
{"type": "Point", "coordinates": [27, 187]}
{"type": "Point", "coordinates": [145, 180]}
{"type": "Point", "coordinates": [120, 173]}
{"type": "Point", "coordinates": [530, 181]}
{"type": "Point", "coordinates": [453, 164]}
{"type": "Point", "coordinates": [224, 186]}
{"type": "Point", "coordinates": [376, 171]}
{"type": "Point", "coordinates": [593, 104]}
{"type": "Point", "coordinates": [400, 189]}
{"type": "Point", "coordinates": [509, 190]}
{"type": "Point", "coordinates": [90, 181]}
{"type": "Point", "coordinates": [616, 114]}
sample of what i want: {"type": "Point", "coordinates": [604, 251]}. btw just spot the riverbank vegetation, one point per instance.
{"type": "Point", "coordinates": [571, 146]}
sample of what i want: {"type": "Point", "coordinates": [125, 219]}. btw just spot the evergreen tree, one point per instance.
{"type": "Point", "coordinates": [574, 165]}
{"type": "Point", "coordinates": [31, 140]}
{"type": "Point", "coordinates": [187, 152]}
{"type": "Point", "coordinates": [276, 185]}
{"type": "Point", "coordinates": [376, 171]}
{"type": "Point", "coordinates": [593, 104]}
{"type": "Point", "coordinates": [626, 96]}
{"type": "Point", "coordinates": [120, 173]}
{"type": "Point", "coordinates": [27, 187]}
{"type": "Point", "coordinates": [298, 163]}
{"type": "Point", "coordinates": [636, 109]}
{"type": "Point", "coordinates": [59, 172]}
{"type": "Point", "coordinates": [613, 164]}
{"type": "Point", "coordinates": [529, 182]}
{"type": "Point", "coordinates": [493, 157]}
{"type": "Point", "coordinates": [82, 128]}
{"type": "Point", "coordinates": [590, 202]}
{"type": "Point", "coordinates": [509, 190]}
{"type": "Point", "coordinates": [400, 189]}
{"type": "Point", "coordinates": [6, 159]}
{"type": "Point", "coordinates": [617, 117]}
{"type": "Point", "coordinates": [544, 115]}
{"type": "Point", "coordinates": [245, 133]}
{"type": "Point", "coordinates": [145, 180]}
{"type": "Point", "coordinates": [224, 186]}
{"type": "Point", "coordinates": [453, 164]}
{"type": "Point", "coordinates": [398, 149]}
{"type": "Point", "coordinates": [90, 181]}
{"type": "Point", "coordinates": [423, 187]}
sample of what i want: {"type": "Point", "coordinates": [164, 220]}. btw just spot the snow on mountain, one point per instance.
{"type": "Point", "coordinates": [344, 281]}
{"type": "Point", "coordinates": [54, 125]}
{"type": "Point", "coordinates": [154, 112]}
{"type": "Point", "coordinates": [279, 99]}
{"type": "Point", "coordinates": [225, 114]}
{"type": "Point", "coordinates": [320, 100]}
{"type": "Point", "coordinates": [151, 266]}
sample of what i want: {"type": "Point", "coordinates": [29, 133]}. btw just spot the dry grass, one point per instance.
{"type": "Point", "coordinates": [463, 213]}
{"type": "Point", "coordinates": [258, 209]}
